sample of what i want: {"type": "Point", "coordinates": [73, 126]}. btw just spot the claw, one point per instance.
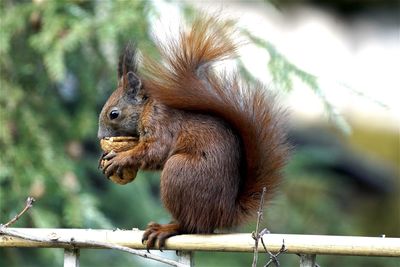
{"type": "Point", "coordinates": [151, 241]}
{"type": "Point", "coordinates": [106, 156]}
{"type": "Point", "coordinates": [110, 155]}
{"type": "Point", "coordinates": [109, 168]}
{"type": "Point", "coordinates": [163, 237]}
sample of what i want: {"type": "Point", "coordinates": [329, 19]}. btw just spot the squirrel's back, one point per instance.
{"type": "Point", "coordinates": [185, 80]}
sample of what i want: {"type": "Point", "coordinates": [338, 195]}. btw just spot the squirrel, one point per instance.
{"type": "Point", "coordinates": [217, 140]}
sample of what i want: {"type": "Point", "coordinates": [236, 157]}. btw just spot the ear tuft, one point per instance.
{"type": "Point", "coordinates": [127, 60]}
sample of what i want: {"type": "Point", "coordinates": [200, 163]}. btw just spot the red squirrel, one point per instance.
{"type": "Point", "coordinates": [218, 141]}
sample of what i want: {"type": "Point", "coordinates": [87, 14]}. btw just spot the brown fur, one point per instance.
{"type": "Point", "coordinates": [217, 141]}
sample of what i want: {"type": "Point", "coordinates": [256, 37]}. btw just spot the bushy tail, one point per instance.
{"type": "Point", "coordinates": [185, 81]}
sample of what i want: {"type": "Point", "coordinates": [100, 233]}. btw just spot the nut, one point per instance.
{"type": "Point", "coordinates": [128, 175]}
{"type": "Point", "coordinates": [119, 144]}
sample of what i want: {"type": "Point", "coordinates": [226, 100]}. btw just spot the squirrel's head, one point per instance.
{"type": "Point", "coordinates": [121, 113]}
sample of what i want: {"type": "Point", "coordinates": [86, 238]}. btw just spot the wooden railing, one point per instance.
{"type": "Point", "coordinates": [307, 246]}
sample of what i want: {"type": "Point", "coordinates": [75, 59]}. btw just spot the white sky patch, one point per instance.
{"type": "Point", "coordinates": [361, 57]}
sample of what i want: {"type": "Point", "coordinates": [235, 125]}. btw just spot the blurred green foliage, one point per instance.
{"type": "Point", "coordinates": [283, 74]}
{"type": "Point", "coordinates": [58, 66]}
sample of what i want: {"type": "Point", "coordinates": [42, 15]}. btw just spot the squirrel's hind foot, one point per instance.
{"type": "Point", "coordinates": [160, 232]}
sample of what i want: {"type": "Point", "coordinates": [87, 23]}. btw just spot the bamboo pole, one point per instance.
{"type": "Point", "coordinates": [299, 244]}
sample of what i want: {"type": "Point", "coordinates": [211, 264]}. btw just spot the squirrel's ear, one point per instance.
{"type": "Point", "coordinates": [133, 84]}
{"type": "Point", "coordinates": [127, 62]}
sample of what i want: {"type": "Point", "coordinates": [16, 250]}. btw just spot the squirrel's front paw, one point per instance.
{"type": "Point", "coordinates": [115, 163]}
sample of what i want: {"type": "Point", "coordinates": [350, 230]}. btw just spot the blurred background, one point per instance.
{"type": "Point", "coordinates": [334, 63]}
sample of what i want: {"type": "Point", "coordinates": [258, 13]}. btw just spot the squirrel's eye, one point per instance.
{"type": "Point", "coordinates": [114, 114]}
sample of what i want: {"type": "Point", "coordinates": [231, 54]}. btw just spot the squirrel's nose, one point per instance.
{"type": "Point", "coordinates": [102, 133]}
